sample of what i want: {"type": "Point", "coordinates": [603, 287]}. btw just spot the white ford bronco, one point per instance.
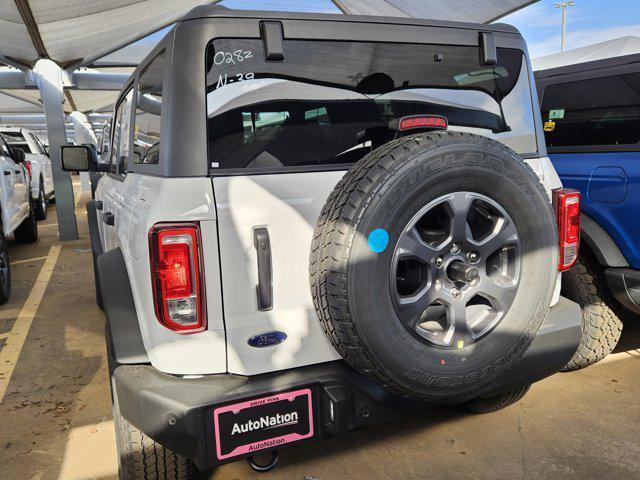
{"type": "Point", "coordinates": [311, 223]}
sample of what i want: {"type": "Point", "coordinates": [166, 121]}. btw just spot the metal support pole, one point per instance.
{"type": "Point", "coordinates": [83, 129]}
{"type": "Point", "coordinates": [564, 6]}
{"type": "Point", "coordinates": [49, 79]}
{"type": "Point", "coordinates": [564, 29]}
{"type": "Point", "coordinates": [84, 134]}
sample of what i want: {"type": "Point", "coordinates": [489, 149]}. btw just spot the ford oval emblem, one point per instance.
{"type": "Point", "coordinates": [267, 339]}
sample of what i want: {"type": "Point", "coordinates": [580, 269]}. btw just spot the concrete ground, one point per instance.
{"type": "Point", "coordinates": [55, 414]}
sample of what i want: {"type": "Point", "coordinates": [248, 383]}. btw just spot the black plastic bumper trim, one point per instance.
{"type": "Point", "coordinates": [624, 284]}
{"type": "Point", "coordinates": [178, 412]}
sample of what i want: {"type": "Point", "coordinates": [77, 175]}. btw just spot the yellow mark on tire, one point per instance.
{"type": "Point", "coordinates": [460, 343]}
{"type": "Point", "coordinates": [11, 350]}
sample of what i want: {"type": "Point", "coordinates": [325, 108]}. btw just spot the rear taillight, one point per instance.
{"type": "Point", "coordinates": [27, 164]}
{"type": "Point", "coordinates": [177, 276]}
{"type": "Point", "coordinates": [566, 203]}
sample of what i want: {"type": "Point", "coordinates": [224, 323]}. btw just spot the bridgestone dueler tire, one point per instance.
{"type": "Point", "coordinates": [350, 283]}
{"type": "Point", "coordinates": [601, 327]}
{"type": "Point", "coordinates": [497, 402]}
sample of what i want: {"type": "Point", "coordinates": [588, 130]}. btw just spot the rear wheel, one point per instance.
{"type": "Point", "coordinates": [497, 402]}
{"type": "Point", "coordinates": [27, 232]}
{"type": "Point", "coordinates": [601, 327]}
{"type": "Point", "coordinates": [139, 457]}
{"type": "Point", "coordinates": [41, 203]}
{"type": "Point", "coordinates": [5, 268]}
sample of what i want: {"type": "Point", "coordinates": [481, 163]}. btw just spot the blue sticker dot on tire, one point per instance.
{"type": "Point", "coordinates": [378, 240]}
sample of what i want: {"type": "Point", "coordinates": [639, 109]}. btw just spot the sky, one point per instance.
{"type": "Point", "coordinates": [588, 21]}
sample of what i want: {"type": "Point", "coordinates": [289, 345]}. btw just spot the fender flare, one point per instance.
{"type": "Point", "coordinates": [94, 233]}
{"type": "Point", "coordinates": [601, 243]}
{"type": "Point", "coordinates": [124, 336]}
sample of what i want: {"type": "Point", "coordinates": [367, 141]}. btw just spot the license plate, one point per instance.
{"type": "Point", "coordinates": [262, 423]}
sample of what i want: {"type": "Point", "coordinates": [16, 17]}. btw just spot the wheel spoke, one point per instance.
{"type": "Point", "coordinates": [503, 294]}
{"type": "Point", "coordinates": [460, 204]}
{"type": "Point", "coordinates": [411, 245]}
{"type": "Point", "coordinates": [410, 309]}
{"type": "Point", "coordinates": [504, 234]}
{"type": "Point", "coordinates": [459, 334]}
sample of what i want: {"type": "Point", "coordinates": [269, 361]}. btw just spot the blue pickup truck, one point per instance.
{"type": "Point", "coordinates": [591, 115]}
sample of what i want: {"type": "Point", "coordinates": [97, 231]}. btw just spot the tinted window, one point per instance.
{"type": "Point", "coordinates": [598, 111]}
{"type": "Point", "coordinates": [148, 108]}
{"type": "Point", "coordinates": [121, 134]}
{"type": "Point", "coordinates": [331, 102]}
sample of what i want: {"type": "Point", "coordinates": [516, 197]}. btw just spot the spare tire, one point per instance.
{"type": "Point", "coordinates": [433, 264]}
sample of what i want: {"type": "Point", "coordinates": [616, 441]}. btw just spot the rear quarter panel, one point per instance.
{"type": "Point", "coordinates": [610, 188]}
{"type": "Point", "coordinates": [145, 201]}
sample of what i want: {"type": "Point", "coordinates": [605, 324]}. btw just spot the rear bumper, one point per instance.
{"type": "Point", "coordinates": [624, 284]}
{"type": "Point", "coordinates": [178, 412]}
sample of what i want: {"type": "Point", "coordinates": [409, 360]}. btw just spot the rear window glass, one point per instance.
{"type": "Point", "coordinates": [330, 103]}
{"type": "Point", "coordinates": [146, 141]}
{"type": "Point", "coordinates": [594, 112]}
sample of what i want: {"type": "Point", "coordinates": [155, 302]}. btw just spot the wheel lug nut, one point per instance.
{"type": "Point", "coordinates": [455, 293]}
{"type": "Point", "coordinates": [472, 256]}
{"type": "Point", "coordinates": [439, 262]}
{"type": "Point", "coordinates": [455, 248]}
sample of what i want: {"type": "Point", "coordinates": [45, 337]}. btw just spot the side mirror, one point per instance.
{"type": "Point", "coordinates": [78, 158]}
{"type": "Point", "coordinates": [18, 155]}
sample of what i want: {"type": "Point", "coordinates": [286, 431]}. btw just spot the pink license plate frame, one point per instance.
{"type": "Point", "coordinates": [262, 404]}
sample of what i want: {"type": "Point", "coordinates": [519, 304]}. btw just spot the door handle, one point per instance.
{"type": "Point", "coordinates": [108, 218]}
{"type": "Point", "coordinates": [7, 173]}
{"type": "Point", "coordinates": [264, 289]}
{"type": "Point", "coordinates": [99, 205]}
{"type": "Point", "coordinates": [17, 171]}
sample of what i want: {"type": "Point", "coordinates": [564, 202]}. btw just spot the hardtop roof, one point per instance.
{"type": "Point", "coordinates": [221, 12]}
{"type": "Point", "coordinates": [218, 11]}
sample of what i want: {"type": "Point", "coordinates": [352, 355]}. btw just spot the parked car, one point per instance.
{"type": "Point", "coordinates": [312, 223]}
{"type": "Point", "coordinates": [592, 129]}
{"type": "Point", "coordinates": [37, 163]}
{"type": "Point", "coordinates": [17, 215]}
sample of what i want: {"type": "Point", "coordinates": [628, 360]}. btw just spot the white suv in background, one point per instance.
{"type": "Point", "coordinates": [38, 164]}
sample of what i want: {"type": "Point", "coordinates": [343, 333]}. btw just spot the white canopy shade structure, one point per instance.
{"type": "Point", "coordinates": [69, 59]}
{"type": "Point", "coordinates": [618, 47]}
{"type": "Point", "coordinates": [476, 11]}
